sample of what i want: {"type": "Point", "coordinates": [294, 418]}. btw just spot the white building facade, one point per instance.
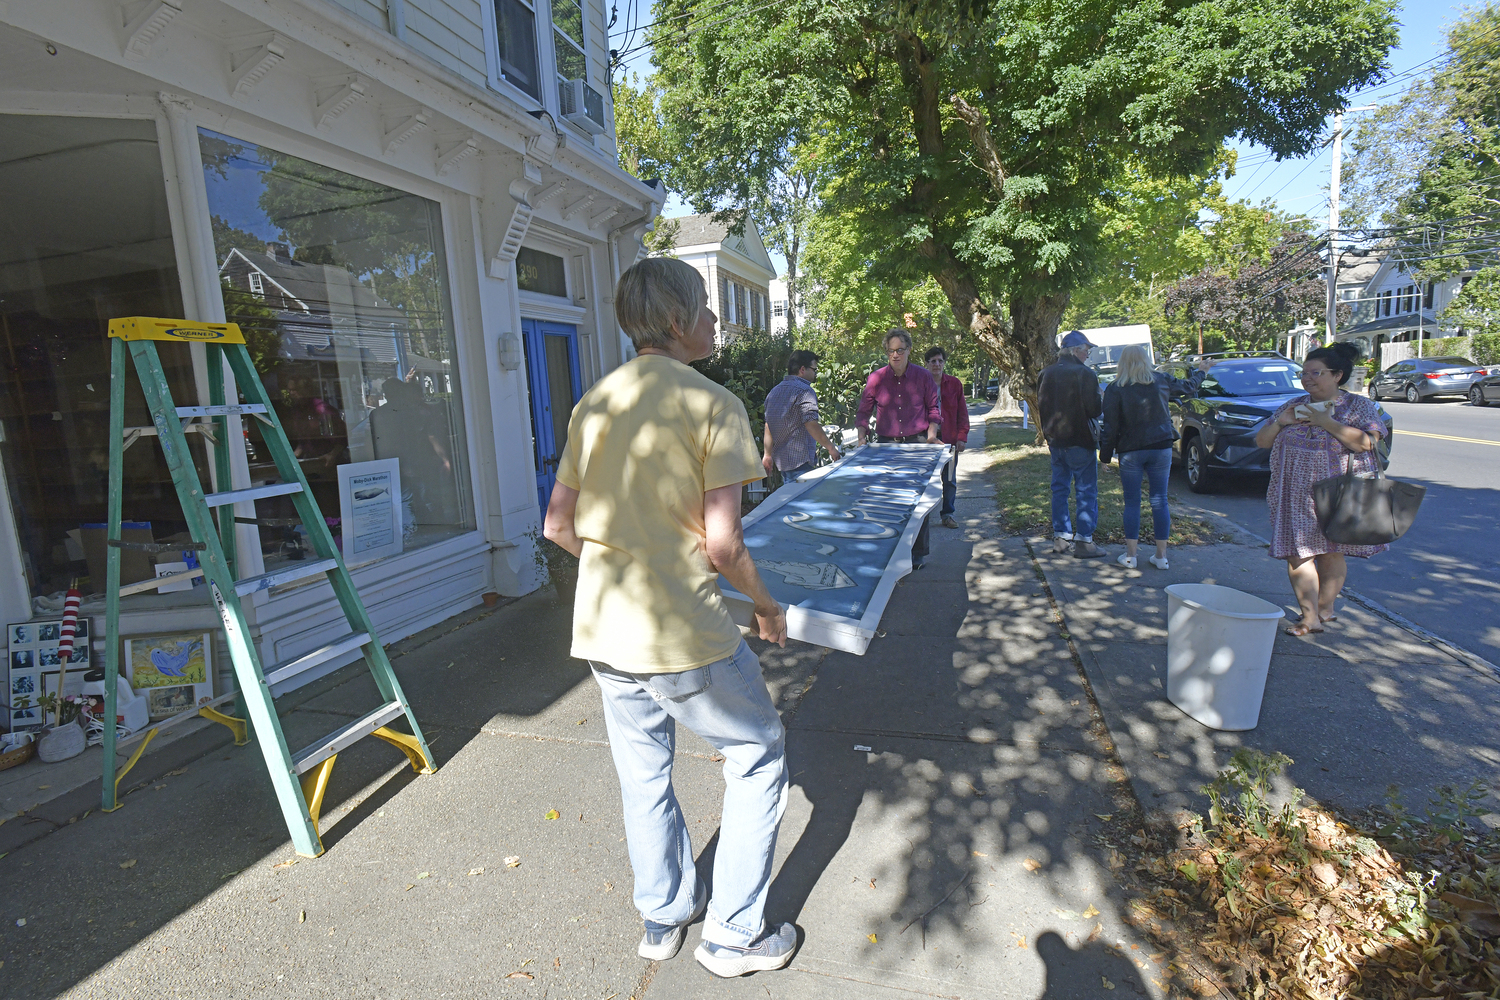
{"type": "Point", "coordinates": [413, 209]}
{"type": "Point", "coordinates": [1395, 307]}
{"type": "Point", "coordinates": [736, 269]}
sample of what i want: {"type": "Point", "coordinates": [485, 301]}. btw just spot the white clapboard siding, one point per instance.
{"type": "Point", "coordinates": [369, 10]}
{"type": "Point", "coordinates": [450, 33]}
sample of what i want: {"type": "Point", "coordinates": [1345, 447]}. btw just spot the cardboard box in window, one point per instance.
{"type": "Point", "coordinates": [134, 564]}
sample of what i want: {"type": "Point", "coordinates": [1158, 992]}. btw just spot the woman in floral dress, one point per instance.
{"type": "Point", "coordinates": [1309, 443]}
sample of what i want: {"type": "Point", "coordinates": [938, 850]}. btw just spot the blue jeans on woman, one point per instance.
{"type": "Point", "coordinates": [726, 703]}
{"type": "Point", "coordinates": [1155, 463]}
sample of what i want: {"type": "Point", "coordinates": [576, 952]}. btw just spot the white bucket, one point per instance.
{"type": "Point", "coordinates": [1218, 652]}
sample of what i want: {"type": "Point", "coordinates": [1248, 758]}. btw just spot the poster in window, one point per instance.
{"type": "Point", "coordinates": [370, 509]}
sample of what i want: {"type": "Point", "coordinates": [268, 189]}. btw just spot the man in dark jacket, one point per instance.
{"type": "Point", "coordinates": [1067, 403]}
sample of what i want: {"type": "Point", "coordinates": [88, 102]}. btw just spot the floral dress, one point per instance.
{"type": "Point", "coordinates": [1302, 455]}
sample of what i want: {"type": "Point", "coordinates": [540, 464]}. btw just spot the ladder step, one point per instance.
{"type": "Point", "coordinates": [336, 741]}
{"type": "Point", "coordinates": [229, 410]}
{"type": "Point", "coordinates": [284, 574]}
{"type": "Point", "coordinates": [291, 668]}
{"type": "Point", "coordinates": [253, 493]}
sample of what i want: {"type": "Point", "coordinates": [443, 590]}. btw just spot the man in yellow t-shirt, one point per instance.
{"type": "Point", "coordinates": [648, 499]}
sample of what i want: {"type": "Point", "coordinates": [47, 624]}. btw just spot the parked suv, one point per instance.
{"type": "Point", "coordinates": [1218, 422]}
{"type": "Point", "coordinates": [1417, 379]}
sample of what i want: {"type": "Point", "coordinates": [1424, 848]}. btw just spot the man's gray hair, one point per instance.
{"type": "Point", "coordinates": [656, 294]}
{"type": "Point", "coordinates": [894, 332]}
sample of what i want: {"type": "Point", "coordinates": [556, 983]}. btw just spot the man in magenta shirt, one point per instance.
{"type": "Point", "coordinates": [903, 396]}
{"type": "Point", "coordinates": [904, 399]}
{"type": "Point", "coordinates": [954, 427]}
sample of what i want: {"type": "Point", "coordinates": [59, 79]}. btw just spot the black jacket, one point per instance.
{"type": "Point", "coordinates": [1136, 416]}
{"type": "Point", "coordinates": [1067, 398]}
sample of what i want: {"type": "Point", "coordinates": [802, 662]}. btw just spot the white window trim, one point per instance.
{"type": "Point", "coordinates": [535, 305]}
{"type": "Point", "coordinates": [492, 59]}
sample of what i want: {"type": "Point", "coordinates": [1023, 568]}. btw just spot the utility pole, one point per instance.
{"type": "Point", "coordinates": [1331, 317]}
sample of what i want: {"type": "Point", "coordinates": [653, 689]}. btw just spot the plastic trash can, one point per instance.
{"type": "Point", "coordinates": [1218, 652]}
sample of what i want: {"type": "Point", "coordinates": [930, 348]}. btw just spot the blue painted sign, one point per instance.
{"type": "Point", "coordinates": [831, 547]}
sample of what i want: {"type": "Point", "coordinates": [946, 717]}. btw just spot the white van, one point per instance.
{"type": "Point", "coordinates": [1110, 341]}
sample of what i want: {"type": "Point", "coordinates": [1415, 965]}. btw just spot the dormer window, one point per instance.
{"type": "Point", "coordinates": [257, 284]}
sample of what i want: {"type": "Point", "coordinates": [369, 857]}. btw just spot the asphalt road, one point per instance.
{"type": "Point", "coordinates": [1444, 574]}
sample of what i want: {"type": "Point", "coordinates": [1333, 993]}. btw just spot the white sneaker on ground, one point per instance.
{"type": "Point", "coordinates": [1126, 560]}
{"type": "Point", "coordinates": [773, 951]}
{"type": "Point", "coordinates": [1160, 562]}
{"type": "Point", "coordinates": [662, 941]}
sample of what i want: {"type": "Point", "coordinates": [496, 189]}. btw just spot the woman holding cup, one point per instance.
{"type": "Point", "coordinates": [1313, 437]}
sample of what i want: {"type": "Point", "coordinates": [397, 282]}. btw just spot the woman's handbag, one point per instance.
{"type": "Point", "coordinates": [1355, 511]}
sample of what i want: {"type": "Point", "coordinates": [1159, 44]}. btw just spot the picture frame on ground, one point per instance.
{"type": "Point", "coordinates": [33, 667]}
{"type": "Point", "coordinates": [176, 671]}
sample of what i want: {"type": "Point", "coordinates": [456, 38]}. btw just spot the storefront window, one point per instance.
{"type": "Point", "coordinates": [84, 236]}
{"type": "Point", "coordinates": [341, 287]}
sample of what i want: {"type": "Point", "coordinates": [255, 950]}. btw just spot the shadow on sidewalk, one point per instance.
{"type": "Point", "coordinates": [80, 891]}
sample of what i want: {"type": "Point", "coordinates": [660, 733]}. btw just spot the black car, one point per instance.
{"type": "Point", "coordinates": [1218, 422]}
{"type": "Point", "coordinates": [1418, 379]}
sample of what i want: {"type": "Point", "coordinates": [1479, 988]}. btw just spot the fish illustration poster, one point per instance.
{"type": "Point", "coordinates": [181, 662]}
{"type": "Point", "coordinates": [831, 547]}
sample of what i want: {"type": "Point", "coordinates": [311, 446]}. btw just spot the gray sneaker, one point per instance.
{"type": "Point", "coordinates": [664, 941]}
{"type": "Point", "coordinates": [1087, 550]}
{"type": "Point", "coordinates": [949, 522]}
{"type": "Point", "coordinates": [1061, 545]}
{"type": "Point", "coordinates": [773, 951]}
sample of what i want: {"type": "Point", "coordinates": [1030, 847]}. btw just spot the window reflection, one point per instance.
{"type": "Point", "coordinates": [341, 288]}
{"type": "Point", "coordinates": [84, 236]}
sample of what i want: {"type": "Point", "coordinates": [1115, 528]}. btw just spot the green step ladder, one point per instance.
{"type": "Point", "coordinates": [300, 780]}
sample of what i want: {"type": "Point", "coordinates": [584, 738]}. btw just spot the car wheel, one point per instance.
{"type": "Point", "coordinates": [1201, 479]}
{"type": "Point", "coordinates": [1412, 395]}
{"type": "Point", "coordinates": [1374, 392]}
{"type": "Point", "coordinates": [1476, 396]}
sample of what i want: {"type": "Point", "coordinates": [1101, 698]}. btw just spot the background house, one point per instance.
{"type": "Point", "coordinates": [736, 269]}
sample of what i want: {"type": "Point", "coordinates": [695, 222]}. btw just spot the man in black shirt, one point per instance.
{"type": "Point", "coordinates": [1067, 404]}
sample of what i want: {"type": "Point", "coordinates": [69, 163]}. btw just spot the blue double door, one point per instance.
{"type": "Point", "coordinates": [556, 384]}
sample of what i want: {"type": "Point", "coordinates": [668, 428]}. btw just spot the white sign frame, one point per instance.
{"type": "Point", "coordinates": [357, 477]}
{"type": "Point", "coordinates": [818, 627]}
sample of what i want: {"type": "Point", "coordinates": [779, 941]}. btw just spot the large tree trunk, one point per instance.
{"type": "Point", "coordinates": [1034, 321]}
{"type": "Point", "coordinates": [1020, 350]}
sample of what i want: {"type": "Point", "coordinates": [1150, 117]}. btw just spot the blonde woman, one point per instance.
{"type": "Point", "coordinates": [1138, 427]}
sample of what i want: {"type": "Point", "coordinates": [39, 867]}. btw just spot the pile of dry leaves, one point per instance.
{"type": "Point", "coordinates": [1293, 903]}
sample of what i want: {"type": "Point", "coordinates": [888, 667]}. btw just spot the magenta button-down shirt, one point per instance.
{"type": "Point", "coordinates": [903, 405]}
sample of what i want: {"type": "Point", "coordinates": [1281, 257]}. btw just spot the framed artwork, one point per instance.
{"type": "Point", "coordinates": [176, 671]}
{"type": "Point", "coordinates": [33, 667]}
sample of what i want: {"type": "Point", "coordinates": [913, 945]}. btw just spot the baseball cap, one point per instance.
{"type": "Point", "coordinates": [1075, 338]}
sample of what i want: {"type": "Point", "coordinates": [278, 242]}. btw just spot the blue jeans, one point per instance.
{"type": "Point", "coordinates": [728, 705]}
{"type": "Point", "coordinates": [1075, 467]}
{"type": "Point", "coordinates": [792, 475]}
{"type": "Point", "coordinates": [1157, 464]}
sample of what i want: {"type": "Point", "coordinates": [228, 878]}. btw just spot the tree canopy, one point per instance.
{"type": "Point", "coordinates": [973, 142]}
{"type": "Point", "coordinates": [1434, 154]}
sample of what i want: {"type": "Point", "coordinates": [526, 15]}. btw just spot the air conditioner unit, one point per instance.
{"type": "Point", "coordinates": [582, 105]}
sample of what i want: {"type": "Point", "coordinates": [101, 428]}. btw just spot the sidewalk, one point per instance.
{"type": "Point", "coordinates": [1360, 707]}
{"type": "Point", "coordinates": [957, 857]}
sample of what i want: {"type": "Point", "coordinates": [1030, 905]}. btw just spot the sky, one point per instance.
{"type": "Point", "coordinates": [1299, 185]}
{"type": "Point", "coordinates": [1302, 185]}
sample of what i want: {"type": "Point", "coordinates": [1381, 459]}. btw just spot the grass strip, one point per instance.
{"type": "Point", "coordinates": [1022, 474]}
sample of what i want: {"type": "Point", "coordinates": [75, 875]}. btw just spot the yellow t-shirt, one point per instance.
{"type": "Point", "coordinates": [644, 444]}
